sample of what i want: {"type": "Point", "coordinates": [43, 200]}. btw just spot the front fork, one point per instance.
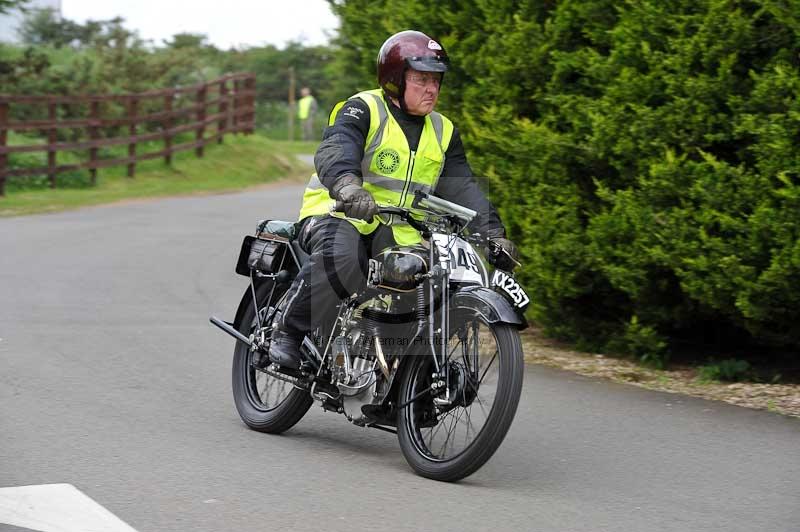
{"type": "Point", "coordinates": [438, 333]}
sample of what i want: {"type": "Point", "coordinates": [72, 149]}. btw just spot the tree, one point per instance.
{"type": "Point", "coordinates": [188, 40]}
{"type": "Point", "coordinates": [6, 6]}
{"type": "Point", "coordinates": [43, 27]}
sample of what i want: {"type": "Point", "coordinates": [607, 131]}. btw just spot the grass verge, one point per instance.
{"type": "Point", "coordinates": [240, 162]}
{"type": "Point", "coordinates": [687, 380]}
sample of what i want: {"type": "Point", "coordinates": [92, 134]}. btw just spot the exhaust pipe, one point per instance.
{"type": "Point", "coordinates": [228, 328]}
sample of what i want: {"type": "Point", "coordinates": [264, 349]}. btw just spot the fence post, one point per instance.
{"type": "Point", "coordinates": [291, 103]}
{"type": "Point", "coordinates": [3, 155]}
{"type": "Point", "coordinates": [250, 86]}
{"type": "Point", "coordinates": [222, 109]}
{"type": "Point", "coordinates": [94, 116]}
{"type": "Point", "coordinates": [167, 127]}
{"type": "Point", "coordinates": [52, 138]}
{"type": "Point", "coordinates": [201, 117]}
{"type": "Point", "coordinates": [237, 95]}
{"type": "Point", "coordinates": [133, 105]}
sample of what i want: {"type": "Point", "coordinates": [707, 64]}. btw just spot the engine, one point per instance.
{"type": "Point", "coordinates": [366, 354]}
{"type": "Point", "coordinates": [356, 372]}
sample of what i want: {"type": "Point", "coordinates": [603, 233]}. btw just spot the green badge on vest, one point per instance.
{"type": "Point", "coordinates": [388, 160]}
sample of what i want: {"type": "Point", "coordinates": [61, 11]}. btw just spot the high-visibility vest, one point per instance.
{"type": "Point", "coordinates": [392, 172]}
{"type": "Point", "coordinates": [304, 107]}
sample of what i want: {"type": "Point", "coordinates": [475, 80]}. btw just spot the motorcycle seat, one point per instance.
{"type": "Point", "coordinates": [278, 228]}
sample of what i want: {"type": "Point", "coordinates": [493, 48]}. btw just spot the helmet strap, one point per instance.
{"type": "Point", "coordinates": [397, 102]}
{"type": "Point", "coordinates": [402, 98]}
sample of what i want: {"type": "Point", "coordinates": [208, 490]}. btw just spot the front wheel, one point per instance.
{"type": "Point", "coordinates": [450, 437]}
{"type": "Point", "coordinates": [264, 403]}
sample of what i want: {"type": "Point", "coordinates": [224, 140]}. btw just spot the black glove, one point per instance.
{"type": "Point", "coordinates": [500, 251]}
{"type": "Point", "coordinates": [358, 202]}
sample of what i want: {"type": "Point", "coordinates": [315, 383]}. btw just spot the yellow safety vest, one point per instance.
{"type": "Point", "coordinates": [304, 107]}
{"type": "Point", "coordinates": [392, 172]}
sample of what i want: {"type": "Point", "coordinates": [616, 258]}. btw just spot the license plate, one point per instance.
{"type": "Point", "coordinates": [511, 288]}
{"type": "Point", "coordinates": [241, 263]}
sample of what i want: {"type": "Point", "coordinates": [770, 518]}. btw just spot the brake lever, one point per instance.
{"type": "Point", "coordinates": [497, 249]}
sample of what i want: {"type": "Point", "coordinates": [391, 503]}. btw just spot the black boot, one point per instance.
{"type": "Point", "coordinates": [284, 349]}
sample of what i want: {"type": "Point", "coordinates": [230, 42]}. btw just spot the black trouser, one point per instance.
{"type": "Point", "coordinates": [337, 268]}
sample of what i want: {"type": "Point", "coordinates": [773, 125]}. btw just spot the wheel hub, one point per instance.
{"type": "Point", "coordinates": [461, 385]}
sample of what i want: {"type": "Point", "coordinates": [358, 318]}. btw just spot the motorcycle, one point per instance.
{"type": "Point", "coordinates": [428, 350]}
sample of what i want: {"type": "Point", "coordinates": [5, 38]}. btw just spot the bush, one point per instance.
{"type": "Point", "coordinates": [643, 154]}
{"type": "Point", "coordinates": [642, 342]}
{"type": "Point", "coordinates": [730, 370]}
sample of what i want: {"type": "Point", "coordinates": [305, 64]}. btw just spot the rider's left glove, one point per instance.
{"type": "Point", "coordinates": [500, 251]}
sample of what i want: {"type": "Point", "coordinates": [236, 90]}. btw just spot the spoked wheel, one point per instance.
{"type": "Point", "coordinates": [448, 437]}
{"type": "Point", "coordinates": [264, 403]}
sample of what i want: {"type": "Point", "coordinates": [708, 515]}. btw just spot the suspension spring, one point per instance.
{"type": "Point", "coordinates": [421, 316]}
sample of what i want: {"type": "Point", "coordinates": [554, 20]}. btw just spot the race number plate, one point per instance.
{"type": "Point", "coordinates": [512, 290]}
{"type": "Point", "coordinates": [465, 265]}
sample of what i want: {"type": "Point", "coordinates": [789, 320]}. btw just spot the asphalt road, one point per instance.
{"type": "Point", "coordinates": [112, 379]}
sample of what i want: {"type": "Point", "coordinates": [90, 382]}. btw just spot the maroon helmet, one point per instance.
{"type": "Point", "coordinates": [408, 49]}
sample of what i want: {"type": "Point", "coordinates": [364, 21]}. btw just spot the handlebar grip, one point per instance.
{"type": "Point", "coordinates": [338, 206]}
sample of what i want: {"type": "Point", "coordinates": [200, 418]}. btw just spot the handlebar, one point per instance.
{"type": "Point", "coordinates": [404, 214]}
{"type": "Point", "coordinates": [427, 202]}
{"type": "Point", "coordinates": [444, 208]}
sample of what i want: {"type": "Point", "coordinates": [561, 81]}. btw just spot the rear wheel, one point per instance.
{"type": "Point", "coordinates": [264, 403]}
{"type": "Point", "coordinates": [449, 441]}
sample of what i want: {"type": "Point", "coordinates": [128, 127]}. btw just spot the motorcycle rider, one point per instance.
{"type": "Point", "coordinates": [380, 147]}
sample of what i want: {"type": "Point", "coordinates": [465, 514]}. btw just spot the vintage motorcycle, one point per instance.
{"type": "Point", "coordinates": [429, 349]}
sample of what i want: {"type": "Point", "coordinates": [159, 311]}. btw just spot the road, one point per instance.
{"type": "Point", "coordinates": [112, 380]}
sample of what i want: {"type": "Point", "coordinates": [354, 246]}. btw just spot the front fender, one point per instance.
{"type": "Point", "coordinates": [491, 305]}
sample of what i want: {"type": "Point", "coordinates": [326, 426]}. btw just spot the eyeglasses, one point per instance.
{"type": "Point", "coordinates": [423, 79]}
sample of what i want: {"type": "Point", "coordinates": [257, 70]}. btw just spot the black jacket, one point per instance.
{"type": "Point", "coordinates": [342, 150]}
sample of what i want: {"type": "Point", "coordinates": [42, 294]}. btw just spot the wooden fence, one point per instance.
{"type": "Point", "coordinates": [210, 110]}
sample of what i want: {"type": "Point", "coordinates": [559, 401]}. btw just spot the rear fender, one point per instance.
{"type": "Point", "coordinates": [262, 291]}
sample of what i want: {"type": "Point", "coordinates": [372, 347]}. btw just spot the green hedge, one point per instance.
{"type": "Point", "coordinates": [644, 155]}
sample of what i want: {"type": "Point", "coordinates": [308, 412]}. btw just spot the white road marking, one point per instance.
{"type": "Point", "coordinates": [56, 508]}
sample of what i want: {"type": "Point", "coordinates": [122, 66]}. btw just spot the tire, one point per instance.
{"type": "Point", "coordinates": [250, 385]}
{"type": "Point", "coordinates": [412, 425]}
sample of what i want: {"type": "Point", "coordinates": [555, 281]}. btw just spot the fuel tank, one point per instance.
{"type": "Point", "coordinates": [401, 267]}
